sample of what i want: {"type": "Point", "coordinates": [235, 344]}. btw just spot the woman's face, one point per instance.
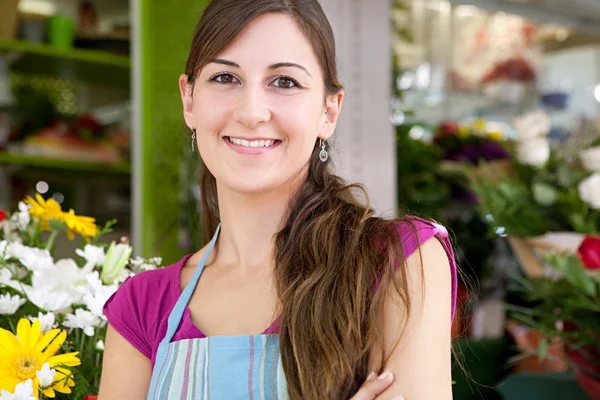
{"type": "Point", "coordinates": [259, 107]}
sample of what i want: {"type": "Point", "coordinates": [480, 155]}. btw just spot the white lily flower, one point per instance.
{"type": "Point", "coordinates": [65, 276]}
{"type": "Point", "coordinates": [50, 301]}
{"type": "Point", "coordinates": [93, 255]}
{"type": "Point", "coordinates": [23, 391]}
{"type": "Point", "coordinates": [100, 345]}
{"type": "Point", "coordinates": [10, 304]}
{"type": "Point", "coordinates": [83, 319]}
{"type": "Point", "coordinates": [47, 321]}
{"type": "Point", "coordinates": [46, 376]}
{"type": "Point", "coordinates": [117, 257]}
{"type": "Point", "coordinates": [32, 258]}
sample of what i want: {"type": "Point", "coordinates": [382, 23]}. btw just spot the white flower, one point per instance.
{"type": "Point", "coordinates": [10, 304]}
{"type": "Point", "coordinates": [50, 301]}
{"type": "Point", "coordinates": [9, 232]}
{"type": "Point", "coordinates": [45, 376]}
{"type": "Point", "coordinates": [122, 277]}
{"type": "Point", "coordinates": [23, 391]}
{"type": "Point", "coordinates": [117, 257]}
{"type": "Point", "coordinates": [94, 256]}
{"type": "Point", "coordinates": [96, 294]}
{"type": "Point", "coordinates": [156, 261]}
{"type": "Point", "coordinates": [589, 190]}
{"type": "Point", "coordinates": [83, 319]}
{"type": "Point", "coordinates": [100, 345]}
{"type": "Point", "coordinates": [47, 321]}
{"type": "Point", "coordinates": [22, 218]}
{"type": "Point", "coordinates": [139, 264]}
{"type": "Point", "coordinates": [32, 258]}
{"type": "Point", "coordinates": [6, 279]}
{"type": "Point", "coordinates": [64, 277]}
{"type": "Point", "coordinates": [590, 158]}
{"type": "Point", "coordinates": [532, 125]}
{"type": "Point", "coordinates": [533, 151]}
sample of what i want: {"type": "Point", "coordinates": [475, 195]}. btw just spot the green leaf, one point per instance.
{"type": "Point", "coordinates": [542, 350]}
{"type": "Point", "coordinates": [577, 274]}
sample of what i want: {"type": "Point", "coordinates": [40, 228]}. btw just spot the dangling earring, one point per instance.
{"type": "Point", "coordinates": [193, 139]}
{"type": "Point", "coordinates": [323, 155]}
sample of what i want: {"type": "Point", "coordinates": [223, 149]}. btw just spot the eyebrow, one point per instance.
{"type": "Point", "coordinates": [289, 64]}
{"type": "Point", "coordinates": [271, 67]}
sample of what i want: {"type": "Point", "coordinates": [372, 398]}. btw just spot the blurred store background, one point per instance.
{"type": "Point", "coordinates": [481, 114]}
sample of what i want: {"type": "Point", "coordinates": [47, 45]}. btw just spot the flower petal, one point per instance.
{"type": "Point", "coordinates": [49, 393]}
{"type": "Point", "coordinates": [48, 337]}
{"type": "Point", "coordinates": [36, 388]}
{"type": "Point", "coordinates": [8, 343]}
{"type": "Point", "coordinates": [55, 345]}
{"type": "Point", "coordinates": [68, 359]}
{"type": "Point", "coordinates": [9, 382]}
{"type": "Point", "coordinates": [34, 334]}
{"type": "Point", "coordinates": [23, 329]}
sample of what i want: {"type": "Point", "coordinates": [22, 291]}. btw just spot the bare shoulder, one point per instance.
{"type": "Point", "coordinates": [422, 338]}
{"type": "Point", "coordinates": [432, 260]}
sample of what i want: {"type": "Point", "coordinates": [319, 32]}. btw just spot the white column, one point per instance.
{"type": "Point", "coordinates": [365, 143]}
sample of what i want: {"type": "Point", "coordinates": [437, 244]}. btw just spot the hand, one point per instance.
{"type": "Point", "coordinates": [375, 385]}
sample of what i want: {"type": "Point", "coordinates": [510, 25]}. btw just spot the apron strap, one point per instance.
{"type": "Point", "coordinates": [184, 298]}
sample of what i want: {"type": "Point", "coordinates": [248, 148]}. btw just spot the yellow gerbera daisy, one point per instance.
{"type": "Point", "coordinates": [45, 210]}
{"type": "Point", "coordinates": [76, 224]}
{"type": "Point", "coordinates": [23, 355]}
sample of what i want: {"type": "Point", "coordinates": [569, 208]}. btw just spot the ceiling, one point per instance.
{"type": "Point", "coordinates": [581, 15]}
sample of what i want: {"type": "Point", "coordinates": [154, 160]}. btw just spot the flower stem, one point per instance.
{"type": "Point", "coordinates": [50, 242]}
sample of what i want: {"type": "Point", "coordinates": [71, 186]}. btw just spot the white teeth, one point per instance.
{"type": "Point", "coordinates": [253, 143]}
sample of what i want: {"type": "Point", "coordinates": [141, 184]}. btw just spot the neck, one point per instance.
{"type": "Point", "coordinates": [249, 223]}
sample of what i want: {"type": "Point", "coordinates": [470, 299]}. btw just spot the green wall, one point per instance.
{"type": "Point", "coordinates": [166, 33]}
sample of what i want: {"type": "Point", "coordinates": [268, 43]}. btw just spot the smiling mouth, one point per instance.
{"type": "Point", "coordinates": [252, 143]}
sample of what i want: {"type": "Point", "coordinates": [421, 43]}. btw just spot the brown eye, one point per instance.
{"type": "Point", "coordinates": [285, 83]}
{"type": "Point", "coordinates": [224, 78]}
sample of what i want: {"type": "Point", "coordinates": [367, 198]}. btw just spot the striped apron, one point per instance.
{"type": "Point", "coordinates": [217, 367]}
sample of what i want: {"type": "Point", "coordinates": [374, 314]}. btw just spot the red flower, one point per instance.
{"type": "Point", "coordinates": [2, 215]}
{"type": "Point", "coordinates": [589, 252]}
{"type": "Point", "coordinates": [449, 128]}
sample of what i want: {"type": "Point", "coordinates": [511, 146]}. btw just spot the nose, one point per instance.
{"type": "Point", "coordinates": [252, 109]}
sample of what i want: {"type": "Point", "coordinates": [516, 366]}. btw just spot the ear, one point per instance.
{"type": "Point", "coordinates": [188, 102]}
{"type": "Point", "coordinates": [333, 107]}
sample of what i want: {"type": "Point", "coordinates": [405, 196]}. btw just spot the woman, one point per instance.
{"type": "Point", "coordinates": [340, 292]}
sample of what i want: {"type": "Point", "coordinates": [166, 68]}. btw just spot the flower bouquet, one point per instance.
{"type": "Point", "coordinates": [565, 309]}
{"type": "Point", "coordinates": [541, 196]}
{"type": "Point", "coordinates": [51, 323]}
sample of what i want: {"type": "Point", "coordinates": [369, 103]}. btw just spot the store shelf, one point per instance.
{"type": "Point", "coordinates": [61, 164]}
{"type": "Point", "coordinates": [92, 66]}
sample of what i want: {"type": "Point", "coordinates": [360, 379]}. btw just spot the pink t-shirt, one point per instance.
{"type": "Point", "coordinates": [140, 308]}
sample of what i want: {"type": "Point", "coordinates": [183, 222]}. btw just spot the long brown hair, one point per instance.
{"type": "Point", "coordinates": [333, 258]}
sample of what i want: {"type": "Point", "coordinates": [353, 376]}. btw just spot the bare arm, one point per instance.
{"type": "Point", "coordinates": [125, 371]}
{"type": "Point", "coordinates": [421, 363]}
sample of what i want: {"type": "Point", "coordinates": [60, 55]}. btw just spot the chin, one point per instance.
{"type": "Point", "coordinates": [252, 186]}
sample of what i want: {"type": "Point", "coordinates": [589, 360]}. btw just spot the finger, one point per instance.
{"type": "Point", "coordinates": [374, 386]}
